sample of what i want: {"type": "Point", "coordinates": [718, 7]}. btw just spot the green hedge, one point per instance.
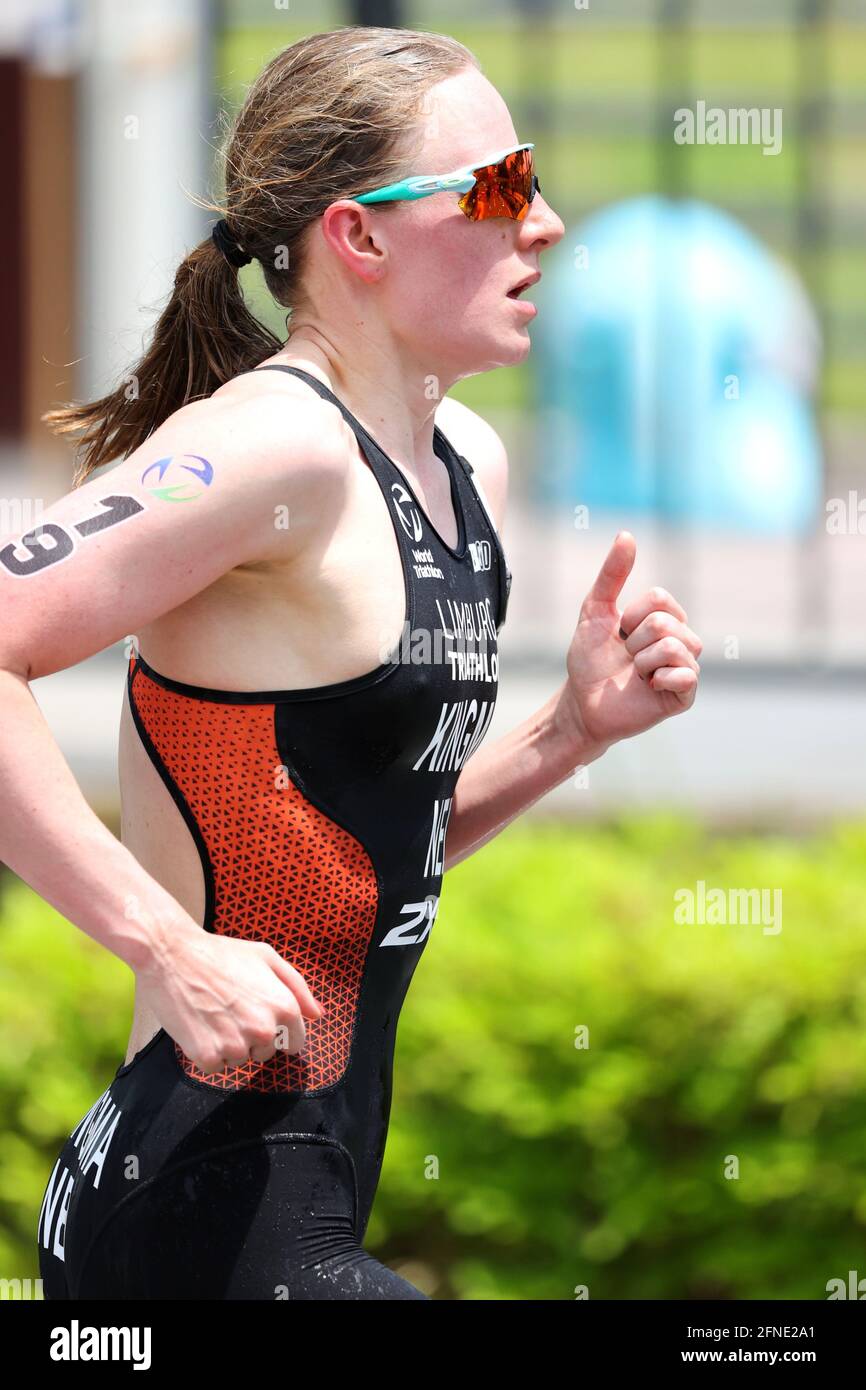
{"type": "Point", "coordinates": [520, 1166]}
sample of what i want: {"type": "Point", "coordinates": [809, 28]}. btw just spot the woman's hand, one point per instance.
{"type": "Point", "coordinates": [224, 1000]}
{"type": "Point", "coordinates": [627, 671]}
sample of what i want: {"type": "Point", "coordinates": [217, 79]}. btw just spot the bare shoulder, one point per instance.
{"type": "Point", "coordinates": [275, 445]}
{"type": "Point", "coordinates": [478, 442]}
{"type": "Point", "coordinates": [281, 426]}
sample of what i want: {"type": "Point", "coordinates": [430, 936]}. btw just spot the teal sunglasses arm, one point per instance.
{"type": "Point", "coordinates": [419, 187]}
{"type": "Point", "coordinates": [423, 185]}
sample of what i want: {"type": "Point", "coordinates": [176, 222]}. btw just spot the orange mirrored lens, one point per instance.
{"type": "Point", "coordinates": [501, 190]}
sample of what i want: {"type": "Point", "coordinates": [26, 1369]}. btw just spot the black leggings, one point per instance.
{"type": "Point", "coordinates": [168, 1189]}
{"type": "Point", "coordinates": [262, 1219]}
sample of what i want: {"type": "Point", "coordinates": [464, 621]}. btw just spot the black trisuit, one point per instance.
{"type": "Point", "coordinates": [320, 818]}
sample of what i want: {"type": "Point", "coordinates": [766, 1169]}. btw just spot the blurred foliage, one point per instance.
{"type": "Point", "coordinates": [557, 1166]}
{"type": "Point", "coordinates": [65, 1015]}
{"type": "Point", "coordinates": [562, 1167]}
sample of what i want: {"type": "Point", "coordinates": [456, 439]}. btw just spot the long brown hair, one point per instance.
{"type": "Point", "coordinates": [330, 116]}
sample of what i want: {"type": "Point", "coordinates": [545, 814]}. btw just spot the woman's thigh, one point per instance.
{"type": "Point", "coordinates": [270, 1219]}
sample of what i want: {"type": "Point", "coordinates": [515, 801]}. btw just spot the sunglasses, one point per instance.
{"type": "Point", "coordinates": [503, 185]}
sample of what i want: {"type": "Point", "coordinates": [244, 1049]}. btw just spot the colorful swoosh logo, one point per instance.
{"type": "Point", "coordinates": [184, 490]}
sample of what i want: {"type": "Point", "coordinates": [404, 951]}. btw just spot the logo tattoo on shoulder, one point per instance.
{"type": "Point", "coordinates": [180, 487]}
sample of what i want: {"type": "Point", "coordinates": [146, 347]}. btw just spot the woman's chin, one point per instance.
{"type": "Point", "coordinates": [513, 347]}
{"type": "Point", "coordinates": [508, 349]}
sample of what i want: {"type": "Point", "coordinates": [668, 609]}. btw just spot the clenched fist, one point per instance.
{"type": "Point", "coordinates": [629, 670]}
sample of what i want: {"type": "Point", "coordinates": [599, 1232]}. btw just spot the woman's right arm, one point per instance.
{"type": "Point", "coordinates": [106, 559]}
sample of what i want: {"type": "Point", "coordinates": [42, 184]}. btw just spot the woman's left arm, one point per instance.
{"type": "Point", "coordinates": [625, 672]}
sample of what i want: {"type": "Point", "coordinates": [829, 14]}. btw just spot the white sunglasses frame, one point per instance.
{"type": "Point", "coordinates": [422, 185]}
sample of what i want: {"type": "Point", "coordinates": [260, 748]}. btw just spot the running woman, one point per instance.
{"type": "Point", "coordinates": [304, 538]}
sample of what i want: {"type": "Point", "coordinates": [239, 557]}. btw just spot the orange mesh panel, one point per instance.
{"type": "Point", "coordinates": [283, 871]}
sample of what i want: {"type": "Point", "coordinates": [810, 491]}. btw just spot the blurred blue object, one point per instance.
{"type": "Point", "coordinates": [676, 362]}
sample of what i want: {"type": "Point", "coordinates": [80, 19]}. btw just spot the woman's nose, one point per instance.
{"type": "Point", "coordinates": [541, 222]}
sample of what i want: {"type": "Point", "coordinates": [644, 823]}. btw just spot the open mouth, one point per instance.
{"type": "Point", "coordinates": [524, 285]}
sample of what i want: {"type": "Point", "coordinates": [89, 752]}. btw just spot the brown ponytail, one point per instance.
{"type": "Point", "coordinates": [329, 117]}
{"type": "Point", "coordinates": [204, 336]}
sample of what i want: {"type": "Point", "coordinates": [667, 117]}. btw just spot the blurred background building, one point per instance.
{"type": "Point", "coordinates": [697, 371]}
